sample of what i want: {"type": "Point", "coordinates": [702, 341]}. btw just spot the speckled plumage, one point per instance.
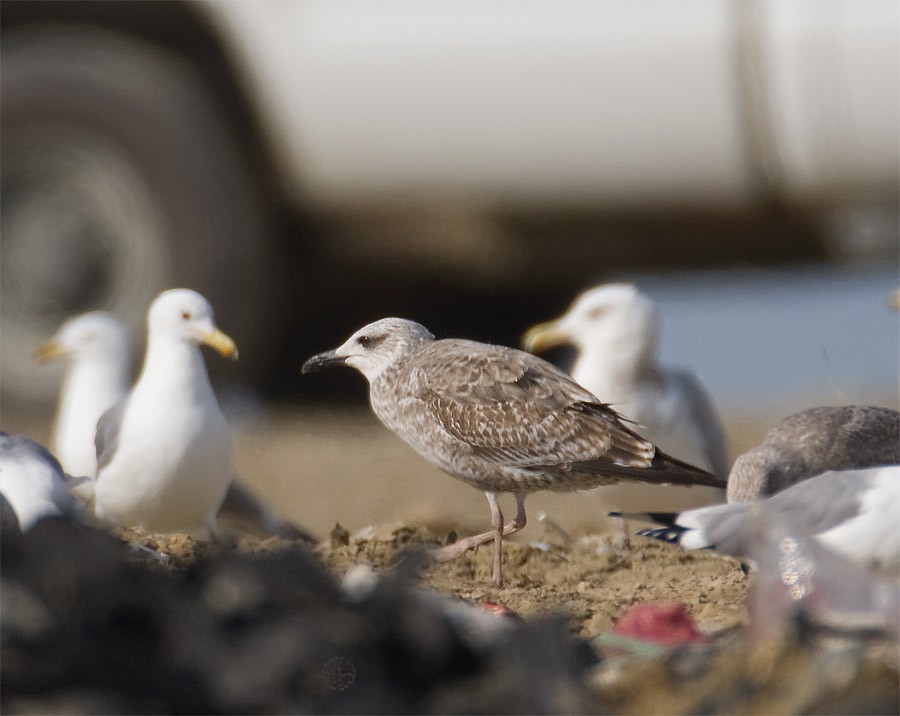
{"type": "Point", "coordinates": [504, 420]}
{"type": "Point", "coordinates": [500, 419]}
{"type": "Point", "coordinates": [814, 441]}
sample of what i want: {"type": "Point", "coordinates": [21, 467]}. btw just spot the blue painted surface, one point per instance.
{"type": "Point", "coordinates": [793, 337]}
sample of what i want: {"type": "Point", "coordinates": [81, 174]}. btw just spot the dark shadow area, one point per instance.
{"type": "Point", "coordinates": [338, 277]}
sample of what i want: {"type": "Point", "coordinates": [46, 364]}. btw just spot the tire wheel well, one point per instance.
{"type": "Point", "coordinates": [178, 27]}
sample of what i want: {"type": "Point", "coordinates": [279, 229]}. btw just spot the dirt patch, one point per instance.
{"type": "Point", "coordinates": [361, 624]}
{"type": "Point", "coordinates": [592, 580]}
{"type": "Point", "coordinates": [249, 625]}
{"type": "Point", "coordinates": [589, 583]}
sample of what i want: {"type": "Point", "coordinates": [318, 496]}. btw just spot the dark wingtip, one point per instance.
{"type": "Point", "coordinates": [665, 534]}
{"type": "Point", "coordinates": [659, 518]}
{"type": "Point", "coordinates": [685, 473]}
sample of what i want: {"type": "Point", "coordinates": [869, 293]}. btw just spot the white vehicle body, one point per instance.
{"type": "Point", "coordinates": [149, 144]}
{"type": "Point", "coordinates": [618, 103]}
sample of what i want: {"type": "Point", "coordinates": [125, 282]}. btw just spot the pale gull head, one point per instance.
{"type": "Point", "coordinates": [182, 315]}
{"type": "Point", "coordinates": [374, 347]}
{"type": "Point", "coordinates": [95, 336]}
{"type": "Point", "coordinates": [97, 352]}
{"type": "Point", "coordinates": [614, 316]}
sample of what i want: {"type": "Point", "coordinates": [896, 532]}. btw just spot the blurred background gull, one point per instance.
{"type": "Point", "coordinates": [313, 166]}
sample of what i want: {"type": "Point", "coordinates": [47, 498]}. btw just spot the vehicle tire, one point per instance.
{"type": "Point", "coordinates": [120, 178]}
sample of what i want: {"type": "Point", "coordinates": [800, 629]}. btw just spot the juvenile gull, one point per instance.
{"type": "Point", "coordinates": [164, 456]}
{"type": "Point", "coordinates": [814, 441]}
{"type": "Point", "coordinates": [853, 512]}
{"type": "Point", "coordinates": [499, 419]}
{"type": "Point", "coordinates": [98, 351]}
{"type": "Point", "coordinates": [615, 329]}
{"type": "Point", "coordinates": [97, 375]}
{"type": "Point", "coordinates": [32, 481]}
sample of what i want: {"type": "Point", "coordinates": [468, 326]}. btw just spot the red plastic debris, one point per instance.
{"type": "Point", "coordinates": [663, 623]}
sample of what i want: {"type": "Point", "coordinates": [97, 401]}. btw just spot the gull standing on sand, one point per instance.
{"type": "Point", "coordinates": [853, 512]}
{"type": "Point", "coordinates": [97, 376]}
{"type": "Point", "coordinates": [813, 441]}
{"type": "Point", "coordinates": [164, 453]}
{"type": "Point", "coordinates": [615, 329]}
{"type": "Point", "coordinates": [499, 419]}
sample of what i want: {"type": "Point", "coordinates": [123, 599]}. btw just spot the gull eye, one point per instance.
{"type": "Point", "coordinates": [186, 315]}
{"type": "Point", "coordinates": [364, 341]}
{"type": "Point", "coordinates": [596, 312]}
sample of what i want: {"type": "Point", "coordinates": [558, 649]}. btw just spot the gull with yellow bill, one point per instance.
{"type": "Point", "coordinates": [96, 349]}
{"type": "Point", "coordinates": [164, 455]}
{"type": "Point", "coordinates": [615, 328]}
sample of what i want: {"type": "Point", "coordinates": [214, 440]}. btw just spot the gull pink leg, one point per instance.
{"type": "Point", "coordinates": [452, 551]}
{"type": "Point", "coordinates": [497, 524]}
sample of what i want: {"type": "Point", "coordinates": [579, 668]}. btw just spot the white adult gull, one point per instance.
{"type": "Point", "coordinates": [500, 419]}
{"type": "Point", "coordinates": [33, 481]}
{"type": "Point", "coordinates": [814, 441]}
{"type": "Point", "coordinates": [853, 512]}
{"type": "Point", "coordinates": [98, 354]}
{"type": "Point", "coordinates": [615, 330]}
{"type": "Point", "coordinates": [164, 455]}
{"type": "Point", "coordinates": [97, 376]}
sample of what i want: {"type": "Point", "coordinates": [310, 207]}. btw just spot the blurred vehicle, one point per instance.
{"type": "Point", "coordinates": [150, 144]}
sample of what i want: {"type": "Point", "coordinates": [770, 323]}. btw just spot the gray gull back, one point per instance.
{"type": "Point", "coordinates": [814, 441]}
{"type": "Point", "coordinates": [853, 512]}
{"type": "Point", "coordinates": [33, 481]}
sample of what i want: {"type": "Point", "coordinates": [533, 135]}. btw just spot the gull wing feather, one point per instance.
{"type": "Point", "coordinates": [106, 439]}
{"type": "Point", "coordinates": [516, 410]}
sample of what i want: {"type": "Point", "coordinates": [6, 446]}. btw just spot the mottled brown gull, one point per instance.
{"type": "Point", "coordinates": [615, 329]}
{"type": "Point", "coordinates": [814, 441]}
{"type": "Point", "coordinates": [500, 419]}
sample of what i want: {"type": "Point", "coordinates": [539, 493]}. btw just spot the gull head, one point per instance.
{"type": "Point", "coordinates": [763, 471]}
{"type": "Point", "coordinates": [94, 336]}
{"type": "Point", "coordinates": [609, 316]}
{"type": "Point", "coordinates": [374, 347]}
{"type": "Point", "coordinates": [184, 315]}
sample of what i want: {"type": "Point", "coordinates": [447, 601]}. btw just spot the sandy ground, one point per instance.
{"type": "Point", "coordinates": [323, 468]}
{"type": "Point", "coordinates": [368, 498]}
{"type": "Point", "coordinates": [327, 467]}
